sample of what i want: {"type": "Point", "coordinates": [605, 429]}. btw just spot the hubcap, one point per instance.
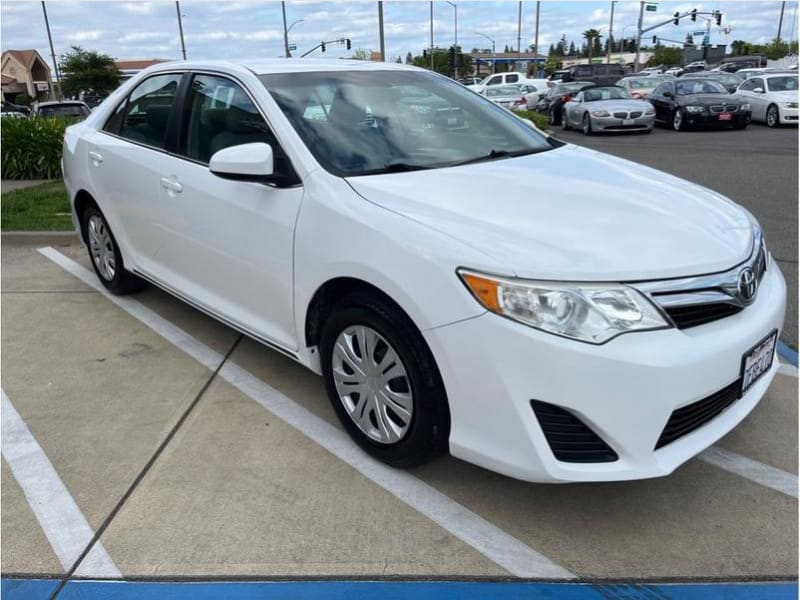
{"type": "Point", "coordinates": [101, 247]}
{"type": "Point", "coordinates": [771, 117]}
{"type": "Point", "coordinates": [372, 384]}
{"type": "Point", "coordinates": [586, 125]}
{"type": "Point", "coordinates": [678, 120]}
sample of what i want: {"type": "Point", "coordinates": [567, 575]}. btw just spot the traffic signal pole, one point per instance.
{"type": "Point", "coordinates": [639, 33]}
{"type": "Point", "coordinates": [675, 19]}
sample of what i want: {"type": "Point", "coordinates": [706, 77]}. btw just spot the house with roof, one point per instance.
{"type": "Point", "coordinates": [25, 71]}
{"type": "Point", "coordinates": [129, 68]}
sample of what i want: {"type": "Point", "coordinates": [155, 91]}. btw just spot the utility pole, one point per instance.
{"type": "Point", "coordinates": [519, 33]}
{"type": "Point", "coordinates": [610, 34]}
{"type": "Point", "coordinates": [285, 31]}
{"type": "Point", "coordinates": [380, 30]}
{"type": "Point", "coordinates": [780, 21]}
{"type": "Point", "coordinates": [180, 27]}
{"type": "Point", "coordinates": [638, 37]}
{"type": "Point", "coordinates": [52, 51]}
{"type": "Point", "coordinates": [431, 35]}
{"type": "Point", "coordinates": [536, 39]}
{"type": "Point", "coordinates": [455, 37]}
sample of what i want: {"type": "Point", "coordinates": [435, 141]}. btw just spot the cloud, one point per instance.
{"type": "Point", "coordinates": [144, 36]}
{"type": "Point", "coordinates": [85, 36]}
{"type": "Point", "coordinates": [139, 8]}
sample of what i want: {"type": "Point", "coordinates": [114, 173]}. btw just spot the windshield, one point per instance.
{"type": "Point", "coordinates": [782, 84]}
{"type": "Point", "coordinates": [643, 83]}
{"type": "Point", "coordinates": [64, 110]}
{"type": "Point", "coordinates": [366, 122]}
{"type": "Point", "coordinates": [699, 86]}
{"type": "Point", "coordinates": [605, 93]}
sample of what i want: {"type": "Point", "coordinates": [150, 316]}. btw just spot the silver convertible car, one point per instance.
{"type": "Point", "coordinates": [607, 108]}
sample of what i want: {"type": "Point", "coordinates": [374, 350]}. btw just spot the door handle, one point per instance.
{"type": "Point", "coordinates": [171, 185]}
{"type": "Point", "coordinates": [96, 157]}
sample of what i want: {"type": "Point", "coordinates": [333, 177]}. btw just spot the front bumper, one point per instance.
{"type": "Point", "coordinates": [788, 115]}
{"type": "Point", "coordinates": [709, 119]}
{"type": "Point", "coordinates": [642, 123]}
{"type": "Point", "coordinates": [624, 390]}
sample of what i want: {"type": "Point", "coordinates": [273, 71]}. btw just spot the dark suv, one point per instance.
{"type": "Point", "coordinates": [599, 74]}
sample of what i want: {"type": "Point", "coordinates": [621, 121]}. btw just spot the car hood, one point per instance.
{"type": "Point", "coordinates": [572, 214]}
{"type": "Point", "coordinates": [615, 105]}
{"type": "Point", "coordinates": [709, 99]}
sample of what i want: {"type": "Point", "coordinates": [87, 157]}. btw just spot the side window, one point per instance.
{"type": "Point", "coordinates": [496, 80]}
{"type": "Point", "coordinates": [221, 115]}
{"type": "Point", "coordinates": [115, 120]}
{"type": "Point", "coordinates": [748, 85]}
{"type": "Point", "coordinates": [512, 78]}
{"type": "Point", "coordinates": [759, 83]}
{"type": "Point", "coordinates": [659, 91]}
{"type": "Point", "coordinates": [147, 110]}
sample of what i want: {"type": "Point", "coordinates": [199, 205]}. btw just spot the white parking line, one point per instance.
{"type": "Point", "coordinates": [516, 557]}
{"type": "Point", "coordinates": [63, 523]}
{"type": "Point", "coordinates": [776, 479]}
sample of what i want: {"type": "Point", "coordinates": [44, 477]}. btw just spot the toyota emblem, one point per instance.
{"type": "Point", "coordinates": [747, 284]}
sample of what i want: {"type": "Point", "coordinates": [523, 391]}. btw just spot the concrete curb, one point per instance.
{"type": "Point", "coordinates": [59, 238]}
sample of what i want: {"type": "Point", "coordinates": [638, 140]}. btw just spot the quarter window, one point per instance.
{"type": "Point", "coordinates": [512, 78]}
{"type": "Point", "coordinates": [221, 115]}
{"type": "Point", "coordinates": [146, 112]}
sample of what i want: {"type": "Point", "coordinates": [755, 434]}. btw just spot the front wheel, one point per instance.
{"type": "Point", "coordinates": [677, 120]}
{"type": "Point", "coordinates": [773, 117]}
{"type": "Point", "coordinates": [383, 381]}
{"type": "Point", "coordinates": [587, 124]}
{"type": "Point", "coordinates": [105, 255]}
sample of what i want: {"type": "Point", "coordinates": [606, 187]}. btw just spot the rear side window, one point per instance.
{"type": "Point", "coordinates": [512, 78]}
{"type": "Point", "coordinates": [143, 117]}
{"type": "Point", "coordinates": [221, 115]}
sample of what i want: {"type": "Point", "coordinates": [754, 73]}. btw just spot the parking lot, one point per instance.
{"type": "Point", "coordinates": [178, 449]}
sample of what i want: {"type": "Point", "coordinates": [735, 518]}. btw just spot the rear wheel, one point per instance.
{"type": "Point", "coordinates": [105, 255]}
{"type": "Point", "coordinates": [383, 381]}
{"type": "Point", "coordinates": [773, 117]}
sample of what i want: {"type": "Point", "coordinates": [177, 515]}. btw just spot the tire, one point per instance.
{"type": "Point", "coordinates": [773, 117]}
{"type": "Point", "coordinates": [555, 119]}
{"type": "Point", "coordinates": [677, 120]}
{"type": "Point", "coordinates": [587, 124]}
{"type": "Point", "coordinates": [105, 255]}
{"type": "Point", "coordinates": [383, 428]}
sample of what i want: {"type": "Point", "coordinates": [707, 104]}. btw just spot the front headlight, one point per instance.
{"type": "Point", "coordinates": [588, 312]}
{"type": "Point", "coordinates": [600, 113]}
{"type": "Point", "coordinates": [650, 111]}
{"type": "Point", "coordinates": [695, 109]}
{"type": "Point", "coordinates": [789, 104]}
{"type": "Point", "coordinates": [744, 107]}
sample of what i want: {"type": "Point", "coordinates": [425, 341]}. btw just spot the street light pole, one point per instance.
{"type": "Point", "coordinates": [455, 37]}
{"type": "Point", "coordinates": [638, 37]}
{"type": "Point", "coordinates": [380, 31]}
{"type": "Point", "coordinates": [431, 35]}
{"type": "Point", "coordinates": [610, 34]}
{"type": "Point", "coordinates": [519, 32]}
{"type": "Point", "coordinates": [494, 54]}
{"type": "Point", "coordinates": [536, 40]}
{"type": "Point", "coordinates": [285, 31]}
{"type": "Point", "coordinates": [288, 31]}
{"type": "Point", "coordinates": [180, 28]}
{"type": "Point", "coordinates": [52, 51]}
{"type": "Point", "coordinates": [780, 22]}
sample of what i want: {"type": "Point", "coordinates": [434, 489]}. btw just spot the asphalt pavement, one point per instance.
{"type": "Point", "coordinates": [756, 167]}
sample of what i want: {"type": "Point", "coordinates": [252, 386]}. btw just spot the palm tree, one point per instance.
{"type": "Point", "coordinates": [590, 35]}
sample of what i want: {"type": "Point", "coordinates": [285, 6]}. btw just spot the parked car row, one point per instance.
{"type": "Point", "coordinates": [74, 109]}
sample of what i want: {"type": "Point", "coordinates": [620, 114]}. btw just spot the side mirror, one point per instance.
{"type": "Point", "coordinates": [247, 162]}
{"type": "Point", "coordinates": [759, 90]}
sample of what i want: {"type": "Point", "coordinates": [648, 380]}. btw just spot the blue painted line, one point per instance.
{"type": "Point", "coordinates": [392, 590]}
{"type": "Point", "coordinates": [787, 353]}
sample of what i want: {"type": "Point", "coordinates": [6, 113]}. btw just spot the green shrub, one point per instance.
{"type": "Point", "coordinates": [538, 119]}
{"type": "Point", "coordinates": [31, 148]}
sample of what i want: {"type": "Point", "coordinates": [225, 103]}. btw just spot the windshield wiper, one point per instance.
{"type": "Point", "coordinates": [493, 154]}
{"type": "Point", "coordinates": [396, 167]}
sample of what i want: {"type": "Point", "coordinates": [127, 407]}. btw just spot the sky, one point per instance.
{"type": "Point", "coordinates": [227, 29]}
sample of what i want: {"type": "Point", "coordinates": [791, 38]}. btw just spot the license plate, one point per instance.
{"type": "Point", "coordinates": [758, 360]}
{"type": "Point", "coordinates": [628, 121]}
{"type": "Point", "coordinates": [724, 116]}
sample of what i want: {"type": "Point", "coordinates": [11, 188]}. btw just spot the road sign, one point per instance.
{"type": "Point", "coordinates": [292, 47]}
{"type": "Point", "coordinates": [651, 7]}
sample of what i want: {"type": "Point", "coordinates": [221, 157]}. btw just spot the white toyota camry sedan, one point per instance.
{"type": "Point", "coordinates": [462, 281]}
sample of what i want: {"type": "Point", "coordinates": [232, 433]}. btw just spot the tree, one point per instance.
{"type": "Point", "coordinates": [689, 39]}
{"type": "Point", "coordinates": [572, 50]}
{"type": "Point", "coordinates": [560, 49]}
{"type": "Point", "coordinates": [664, 55]}
{"type": "Point", "coordinates": [399, 60]}
{"type": "Point", "coordinates": [506, 49]}
{"type": "Point", "coordinates": [409, 58]}
{"type": "Point", "coordinates": [552, 50]}
{"type": "Point", "coordinates": [592, 37]}
{"type": "Point", "coordinates": [23, 99]}
{"type": "Point", "coordinates": [85, 71]}
{"type": "Point", "coordinates": [361, 54]}
{"type": "Point", "coordinates": [441, 62]}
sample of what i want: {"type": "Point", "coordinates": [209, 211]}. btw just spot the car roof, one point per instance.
{"type": "Point", "coordinates": [59, 102]}
{"type": "Point", "coordinates": [264, 66]}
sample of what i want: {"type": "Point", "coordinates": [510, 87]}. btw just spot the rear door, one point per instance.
{"type": "Point", "coordinates": [125, 161]}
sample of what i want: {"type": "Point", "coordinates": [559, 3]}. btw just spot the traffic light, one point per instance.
{"type": "Point", "coordinates": [655, 40]}
{"type": "Point", "coordinates": [718, 18]}
{"type": "Point", "coordinates": [424, 54]}
{"type": "Point", "coordinates": [347, 43]}
{"type": "Point", "coordinates": [677, 18]}
{"type": "Point", "coordinates": [452, 57]}
{"type": "Point", "coordinates": [694, 15]}
{"type": "Point", "coordinates": [322, 46]}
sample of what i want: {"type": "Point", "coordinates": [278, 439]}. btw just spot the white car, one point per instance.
{"type": "Point", "coordinates": [465, 284]}
{"type": "Point", "coordinates": [510, 96]}
{"type": "Point", "coordinates": [675, 71]}
{"type": "Point", "coordinates": [508, 79]}
{"type": "Point", "coordinates": [773, 98]}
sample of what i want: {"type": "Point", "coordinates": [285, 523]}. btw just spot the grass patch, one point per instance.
{"type": "Point", "coordinates": [43, 207]}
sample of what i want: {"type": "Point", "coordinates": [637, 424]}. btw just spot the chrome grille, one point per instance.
{"type": "Point", "coordinates": [636, 114]}
{"type": "Point", "coordinates": [621, 115]}
{"type": "Point", "coordinates": [718, 108]}
{"type": "Point", "coordinates": [699, 300]}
